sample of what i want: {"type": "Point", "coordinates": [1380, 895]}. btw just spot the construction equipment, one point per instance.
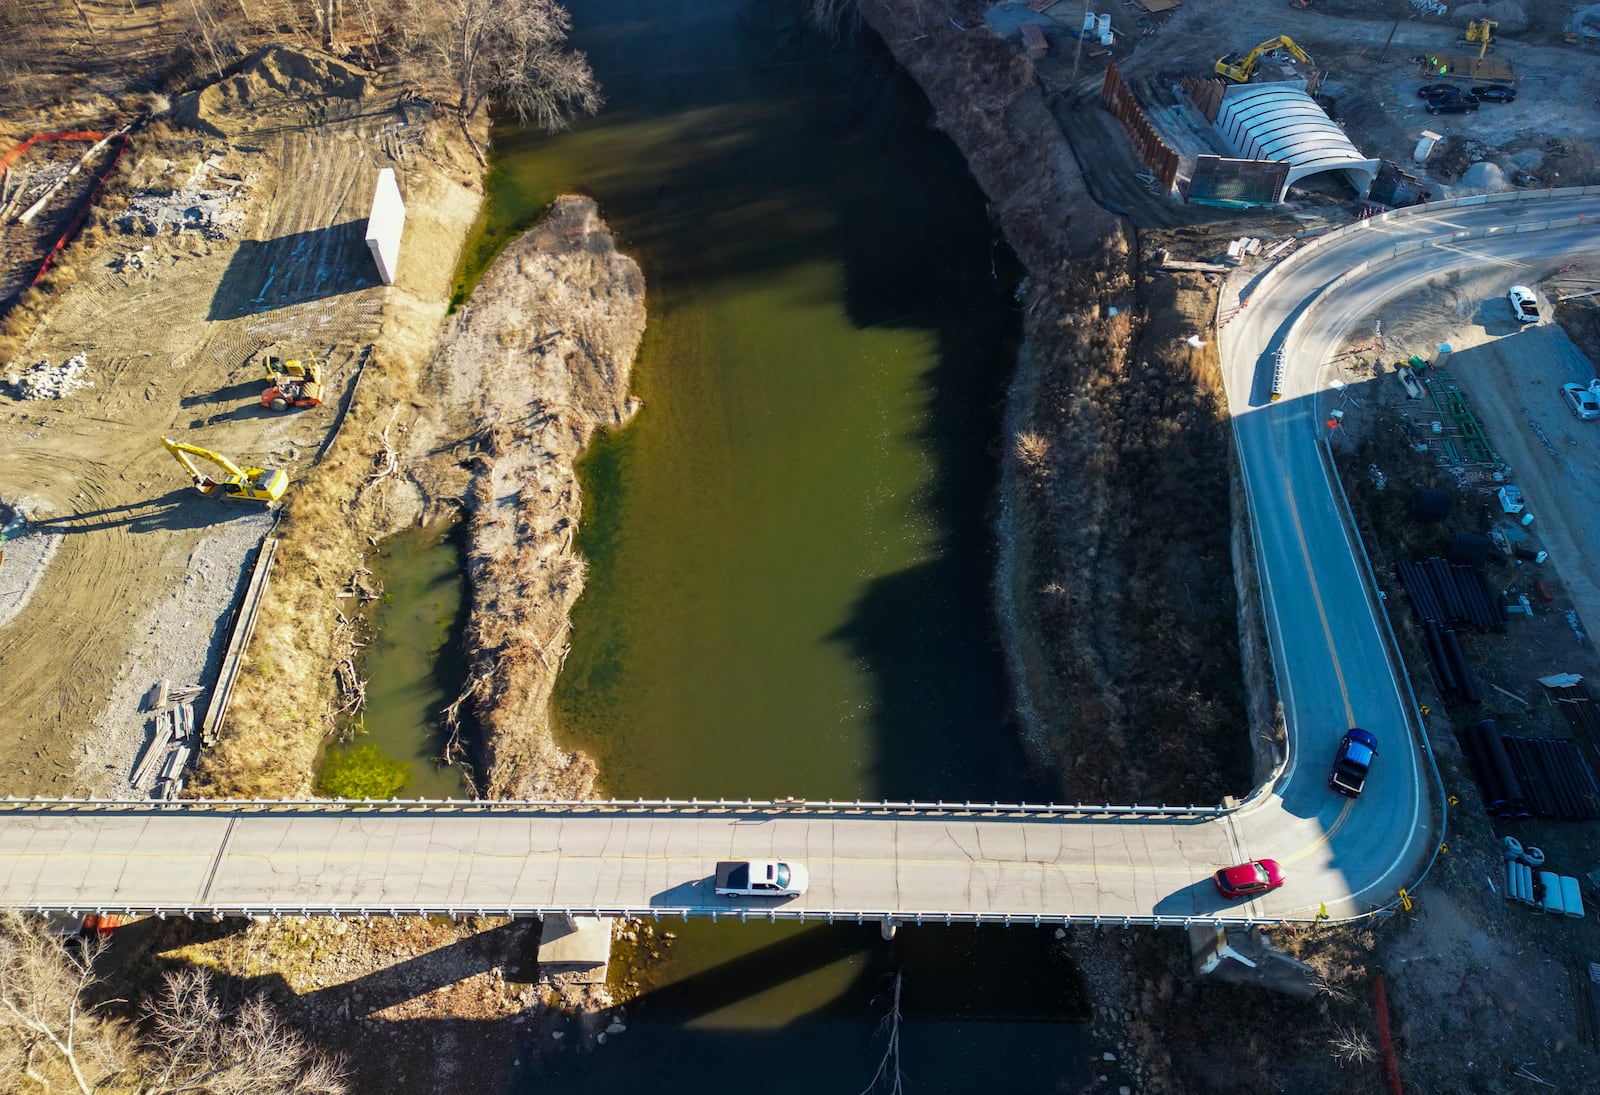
{"type": "Point", "coordinates": [1240, 67]}
{"type": "Point", "coordinates": [291, 384]}
{"type": "Point", "coordinates": [1480, 31]}
{"type": "Point", "coordinates": [264, 485]}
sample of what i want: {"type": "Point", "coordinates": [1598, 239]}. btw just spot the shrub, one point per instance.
{"type": "Point", "coordinates": [360, 772]}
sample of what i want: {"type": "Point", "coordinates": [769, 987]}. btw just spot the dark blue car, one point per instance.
{"type": "Point", "coordinates": [1353, 761]}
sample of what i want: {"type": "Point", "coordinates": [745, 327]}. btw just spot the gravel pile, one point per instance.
{"type": "Point", "coordinates": [43, 380]}
{"type": "Point", "coordinates": [182, 638]}
{"type": "Point", "coordinates": [209, 212]}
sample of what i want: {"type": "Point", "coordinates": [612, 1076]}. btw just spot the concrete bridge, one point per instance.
{"type": "Point", "coordinates": [911, 862]}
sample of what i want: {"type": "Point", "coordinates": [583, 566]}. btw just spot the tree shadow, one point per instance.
{"type": "Point", "coordinates": [265, 275]}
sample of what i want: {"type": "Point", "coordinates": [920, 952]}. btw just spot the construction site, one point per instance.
{"type": "Point", "coordinates": [196, 318]}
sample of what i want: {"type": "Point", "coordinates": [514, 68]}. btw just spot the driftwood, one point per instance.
{"type": "Point", "coordinates": [35, 208]}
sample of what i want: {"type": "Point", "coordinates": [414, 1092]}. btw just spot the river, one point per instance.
{"type": "Point", "coordinates": [790, 547]}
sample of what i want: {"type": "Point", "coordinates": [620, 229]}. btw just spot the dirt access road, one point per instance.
{"type": "Point", "coordinates": [143, 573]}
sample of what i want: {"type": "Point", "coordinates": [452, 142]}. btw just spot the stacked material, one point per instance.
{"type": "Point", "coordinates": [1530, 777]}
{"type": "Point", "coordinates": [1451, 595]}
{"type": "Point", "coordinates": [172, 739]}
{"type": "Point", "coordinates": [43, 380]}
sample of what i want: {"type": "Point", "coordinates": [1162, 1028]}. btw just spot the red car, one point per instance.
{"type": "Point", "coordinates": [1257, 876]}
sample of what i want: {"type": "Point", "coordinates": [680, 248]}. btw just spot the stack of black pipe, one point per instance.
{"type": "Point", "coordinates": [1556, 777]}
{"type": "Point", "coordinates": [1451, 595]}
{"type": "Point", "coordinates": [1503, 795]}
{"type": "Point", "coordinates": [1444, 598]}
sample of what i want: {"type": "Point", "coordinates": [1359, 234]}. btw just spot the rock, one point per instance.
{"type": "Point", "coordinates": [1108, 1056]}
{"type": "Point", "coordinates": [1061, 933]}
{"type": "Point", "coordinates": [600, 1038]}
{"type": "Point", "coordinates": [558, 1034]}
{"type": "Point", "coordinates": [1124, 1090]}
{"type": "Point", "coordinates": [616, 1028]}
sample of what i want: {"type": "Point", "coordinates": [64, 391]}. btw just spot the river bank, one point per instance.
{"type": "Point", "coordinates": [1117, 448]}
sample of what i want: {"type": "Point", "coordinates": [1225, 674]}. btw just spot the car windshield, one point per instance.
{"type": "Point", "coordinates": [783, 875]}
{"type": "Point", "coordinates": [1260, 874]}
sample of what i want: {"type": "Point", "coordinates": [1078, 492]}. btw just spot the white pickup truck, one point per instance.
{"type": "Point", "coordinates": [761, 878]}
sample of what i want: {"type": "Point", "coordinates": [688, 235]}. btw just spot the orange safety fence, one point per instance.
{"type": "Point", "coordinates": [122, 141]}
{"type": "Point", "coordinates": [1391, 1065]}
{"type": "Point", "coordinates": [37, 137]}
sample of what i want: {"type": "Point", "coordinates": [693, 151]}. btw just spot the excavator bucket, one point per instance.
{"type": "Point", "coordinates": [234, 484]}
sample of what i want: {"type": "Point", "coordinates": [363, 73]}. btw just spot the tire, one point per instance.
{"type": "Point", "coordinates": [279, 404]}
{"type": "Point", "coordinates": [1433, 110]}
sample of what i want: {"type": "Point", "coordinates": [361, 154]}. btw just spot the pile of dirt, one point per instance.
{"type": "Point", "coordinates": [277, 81]}
{"type": "Point", "coordinates": [539, 361]}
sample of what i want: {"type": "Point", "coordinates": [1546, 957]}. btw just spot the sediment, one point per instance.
{"type": "Point", "coordinates": [539, 360]}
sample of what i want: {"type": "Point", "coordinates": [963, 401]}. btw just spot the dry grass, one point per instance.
{"type": "Point", "coordinates": [286, 700]}
{"type": "Point", "coordinates": [1120, 485]}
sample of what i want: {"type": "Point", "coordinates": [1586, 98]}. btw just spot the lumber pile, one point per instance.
{"type": "Point", "coordinates": [172, 742]}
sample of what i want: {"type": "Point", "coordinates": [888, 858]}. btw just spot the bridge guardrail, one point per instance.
{"type": "Point", "coordinates": [698, 912]}
{"type": "Point", "coordinates": [224, 806]}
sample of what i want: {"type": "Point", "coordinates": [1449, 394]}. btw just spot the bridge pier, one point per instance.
{"type": "Point", "coordinates": [887, 927]}
{"type": "Point", "coordinates": [578, 947]}
{"type": "Point", "coordinates": [1247, 957]}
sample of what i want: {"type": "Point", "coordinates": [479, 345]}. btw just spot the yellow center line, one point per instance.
{"type": "Point", "coordinates": [1338, 669]}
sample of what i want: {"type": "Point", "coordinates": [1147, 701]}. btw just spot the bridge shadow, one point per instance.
{"type": "Point", "coordinates": [264, 275]}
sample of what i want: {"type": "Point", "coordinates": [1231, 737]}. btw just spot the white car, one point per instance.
{"type": "Point", "coordinates": [1524, 305]}
{"type": "Point", "coordinates": [760, 878]}
{"type": "Point", "coordinates": [1584, 401]}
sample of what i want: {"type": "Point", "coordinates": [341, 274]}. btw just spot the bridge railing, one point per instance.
{"type": "Point", "coordinates": [696, 912]}
{"type": "Point", "coordinates": [886, 807]}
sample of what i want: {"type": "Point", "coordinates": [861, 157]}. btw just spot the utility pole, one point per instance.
{"type": "Point", "coordinates": [1078, 38]}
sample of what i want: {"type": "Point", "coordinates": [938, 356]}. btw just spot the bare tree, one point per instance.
{"type": "Point", "coordinates": [47, 1033]}
{"type": "Point", "coordinates": [195, 1045]}
{"type": "Point", "coordinates": [53, 1036]}
{"type": "Point", "coordinates": [514, 53]}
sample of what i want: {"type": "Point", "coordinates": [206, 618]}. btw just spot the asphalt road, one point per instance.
{"type": "Point", "coordinates": [1344, 858]}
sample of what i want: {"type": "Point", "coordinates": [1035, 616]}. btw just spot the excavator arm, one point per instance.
{"type": "Point", "coordinates": [1239, 68]}
{"type": "Point", "coordinates": [237, 484]}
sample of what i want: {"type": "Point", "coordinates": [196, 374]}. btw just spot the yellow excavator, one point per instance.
{"type": "Point", "coordinates": [235, 484]}
{"type": "Point", "coordinates": [1239, 67]}
{"type": "Point", "coordinates": [1481, 31]}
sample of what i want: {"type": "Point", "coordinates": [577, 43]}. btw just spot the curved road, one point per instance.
{"type": "Point", "coordinates": [908, 861]}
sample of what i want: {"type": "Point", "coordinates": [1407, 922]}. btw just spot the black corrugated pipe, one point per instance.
{"type": "Point", "coordinates": [1494, 795]}
{"type": "Point", "coordinates": [1441, 662]}
{"type": "Point", "coordinates": [1458, 663]}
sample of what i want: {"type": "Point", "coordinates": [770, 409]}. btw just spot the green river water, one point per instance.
{"type": "Point", "coordinates": [790, 548]}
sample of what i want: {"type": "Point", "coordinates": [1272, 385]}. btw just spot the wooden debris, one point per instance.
{"type": "Point", "coordinates": [156, 698]}
{"type": "Point", "coordinates": [160, 739]}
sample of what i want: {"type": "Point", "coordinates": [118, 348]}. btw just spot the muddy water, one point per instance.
{"type": "Point", "coordinates": [789, 546]}
{"type": "Point", "coordinates": [415, 666]}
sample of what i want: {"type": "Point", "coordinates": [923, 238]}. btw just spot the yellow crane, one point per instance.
{"type": "Point", "coordinates": [1239, 67]}
{"type": "Point", "coordinates": [1480, 30]}
{"type": "Point", "coordinates": [235, 484]}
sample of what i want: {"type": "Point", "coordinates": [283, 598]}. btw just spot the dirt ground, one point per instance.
{"type": "Point", "coordinates": [170, 317]}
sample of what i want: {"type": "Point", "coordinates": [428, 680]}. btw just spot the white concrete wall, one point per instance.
{"type": "Point", "coordinates": [385, 224]}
